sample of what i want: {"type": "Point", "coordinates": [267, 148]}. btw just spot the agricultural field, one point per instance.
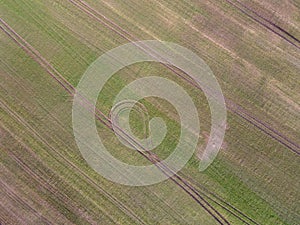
{"type": "Point", "coordinates": [253, 49]}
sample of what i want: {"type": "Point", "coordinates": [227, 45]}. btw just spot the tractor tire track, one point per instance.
{"type": "Point", "coordinates": [69, 88]}
{"type": "Point", "coordinates": [44, 182]}
{"type": "Point", "coordinates": [9, 217]}
{"type": "Point", "coordinates": [267, 24]}
{"type": "Point", "coordinates": [65, 87]}
{"type": "Point", "coordinates": [233, 107]}
{"type": "Point", "coordinates": [26, 89]}
{"type": "Point", "coordinates": [66, 146]}
{"type": "Point", "coordinates": [269, 21]}
{"type": "Point", "coordinates": [69, 91]}
{"type": "Point", "coordinates": [111, 198]}
{"type": "Point", "coordinates": [12, 194]}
